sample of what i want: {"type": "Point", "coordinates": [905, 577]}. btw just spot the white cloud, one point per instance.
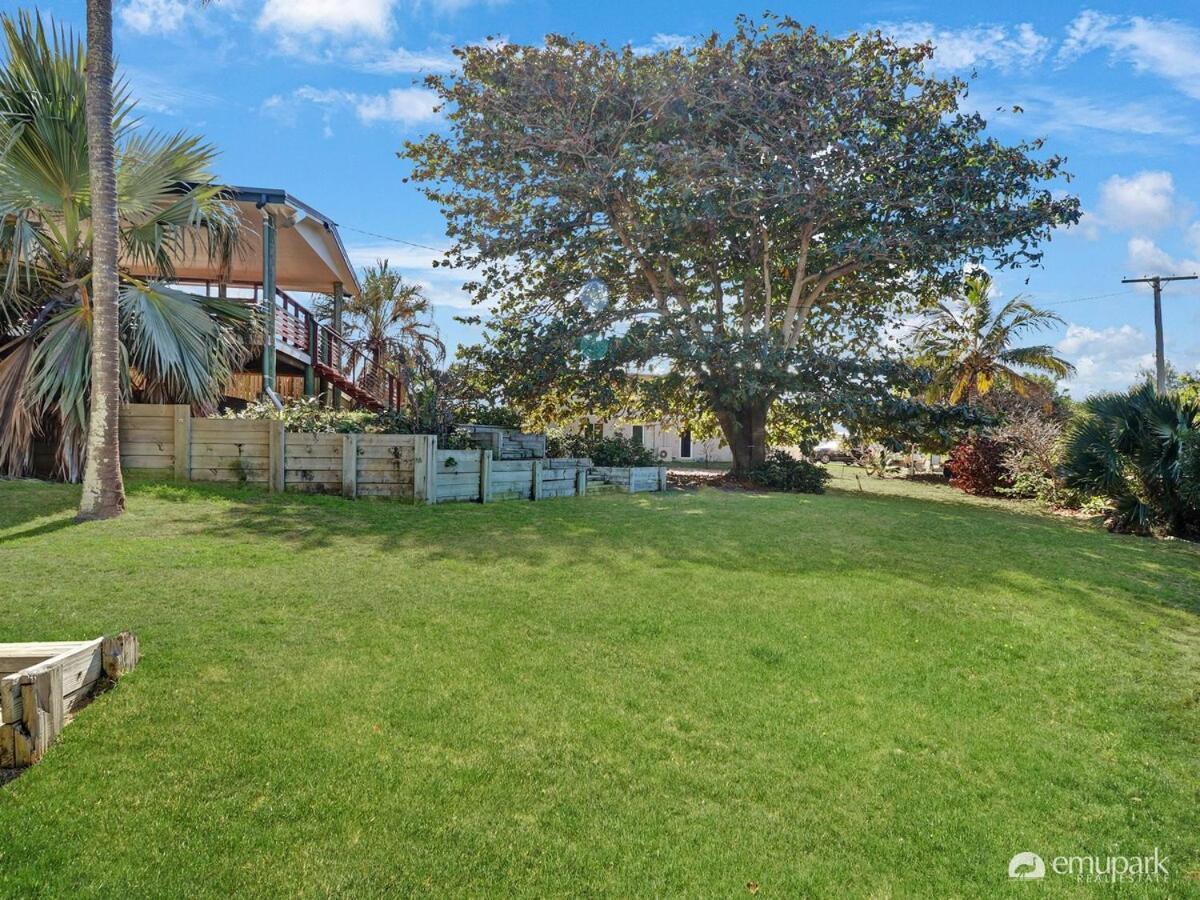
{"type": "Point", "coordinates": [997, 46]}
{"type": "Point", "coordinates": [1143, 200]}
{"type": "Point", "coordinates": [443, 286]}
{"type": "Point", "coordinates": [325, 17]}
{"type": "Point", "coordinates": [1049, 111]}
{"type": "Point", "coordinates": [663, 41]}
{"type": "Point", "coordinates": [398, 60]}
{"type": "Point", "coordinates": [153, 16]}
{"type": "Point", "coordinates": [1164, 47]}
{"type": "Point", "coordinates": [1193, 237]}
{"type": "Point", "coordinates": [405, 106]}
{"type": "Point", "coordinates": [1107, 359]}
{"type": "Point", "coordinates": [1147, 258]}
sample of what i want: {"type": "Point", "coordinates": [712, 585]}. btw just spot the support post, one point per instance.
{"type": "Point", "coordinates": [350, 466]}
{"type": "Point", "coordinates": [268, 360]}
{"type": "Point", "coordinates": [339, 303]}
{"type": "Point", "coordinates": [580, 481]}
{"type": "Point", "coordinates": [485, 476]}
{"type": "Point", "coordinates": [310, 371]}
{"type": "Point", "coordinates": [275, 451]}
{"type": "Point", "coordinates": [535, 492]}
{"type": "Point", "coordinates": [42, 710]}
{"type": "Point", "coordinates": [662, 478]}
{"type": "Point", "coordinates": [119, 653]}
{"type": "Point", "coordinates": [425, 468]}
{"type": "Point", "coordinates": [183, 442]}
{"type": "Point", "coordinates": [1160, 359]}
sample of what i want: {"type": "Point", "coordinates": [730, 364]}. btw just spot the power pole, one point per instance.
{"type": "Point", "coordinates": [1160, 360]}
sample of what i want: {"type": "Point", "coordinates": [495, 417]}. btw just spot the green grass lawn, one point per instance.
{"type": "Point", "coordinates": [884, 691]}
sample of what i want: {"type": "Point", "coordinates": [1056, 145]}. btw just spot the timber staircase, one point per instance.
{"type": "Point", "coordinates": [354, 371]}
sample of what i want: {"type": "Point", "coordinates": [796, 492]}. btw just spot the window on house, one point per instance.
{"type": "Point", "coordinates": [639, 435]}
{"type": "Point", "coordinates": [685, 444]}
{"type": "Point", "coordinates": [591, 431]}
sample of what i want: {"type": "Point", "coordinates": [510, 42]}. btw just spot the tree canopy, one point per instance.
{"type": "Point", "coordinates": [752, 203]}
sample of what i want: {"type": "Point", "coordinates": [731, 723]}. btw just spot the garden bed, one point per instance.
{"type": "Point", "coordinates": [42, 684]}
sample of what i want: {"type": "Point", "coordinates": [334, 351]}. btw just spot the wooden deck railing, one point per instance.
{"type": "Point", "coordinates": [345, 364]}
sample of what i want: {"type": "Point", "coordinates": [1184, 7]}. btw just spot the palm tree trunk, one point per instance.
{"type": "Point", "coordinates": [103, 490]}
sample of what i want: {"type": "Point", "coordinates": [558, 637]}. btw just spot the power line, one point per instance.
{"type": "Point", "coordinates": [394, 240]}
{"type": "Point", "coordinates": [1092, 297]}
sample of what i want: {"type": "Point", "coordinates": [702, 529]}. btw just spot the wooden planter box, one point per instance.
{"type": "Point", "coordinates": [42, 683]}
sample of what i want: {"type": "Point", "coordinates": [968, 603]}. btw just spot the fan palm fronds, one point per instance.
{"type": "Point", "coordinates": [1142, 451]}
{"type": "Point", "coordinates": [177, 347]}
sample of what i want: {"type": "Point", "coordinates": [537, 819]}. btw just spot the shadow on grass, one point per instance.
{"type": "Point", "coordinates": [36, 530]}
{"type": "Point", "coordinates": [924, 546]}
{"type": "Point", "coordinates": [26, 500]}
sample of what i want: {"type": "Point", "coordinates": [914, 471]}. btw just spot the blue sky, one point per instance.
{"type": "Point", "coordinates": [315, 96]}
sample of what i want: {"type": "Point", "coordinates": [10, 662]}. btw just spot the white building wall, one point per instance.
{"type": "Point", "coordinates": [664, 442]}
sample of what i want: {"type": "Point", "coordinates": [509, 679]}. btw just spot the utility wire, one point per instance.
{"type": "Point", "coordinates": [1092, 297]}
{"type": "Point", "coordinates": [394, 240]}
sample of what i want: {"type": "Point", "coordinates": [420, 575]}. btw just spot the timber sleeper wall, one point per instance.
{"type": "Point", "coordinates": [41, 684]}
{"type": "Point", "coordinates": [166, 441]}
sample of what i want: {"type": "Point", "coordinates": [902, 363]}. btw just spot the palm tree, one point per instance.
{"type": "Point", "coordinates": [103, 489]}
{"type": "Point", "coordinates": [1142, 451]}
{"type": "Point", "coordinates": [970, 350]}
{"type": "Point", "coordinates": [389, 320]}
{"type": "Point", "coordinates": [170, 346]}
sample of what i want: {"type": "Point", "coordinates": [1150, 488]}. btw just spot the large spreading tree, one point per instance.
{"type": "Point", "coordinates": [753, 204]}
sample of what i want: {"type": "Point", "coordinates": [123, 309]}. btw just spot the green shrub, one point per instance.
{"type": "Point", "coordinates": [1143, 452]}
{"type": "Point", "coordinates": [783, 472]}
{"type": "Point", "coordinates": [604, 451]}
{"type": "Point", "coordinates": [308, 415]}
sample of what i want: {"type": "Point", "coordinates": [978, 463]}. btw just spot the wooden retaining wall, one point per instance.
{"type": "Point", "coordinates": [634, 479]}
{"type": "Point", "coordinates": [41, 684]}
{"type": "Point", "coordinates": [167, 440]}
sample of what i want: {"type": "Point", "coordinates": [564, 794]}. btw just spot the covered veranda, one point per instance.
{"type": "Point", "coordinates": [286, 247]}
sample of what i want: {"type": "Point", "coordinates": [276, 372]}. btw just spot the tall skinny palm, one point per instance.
{"type": "Point", "coordinates": [971, 350]}
{"type": "Point", "coordinates": [103, 488]}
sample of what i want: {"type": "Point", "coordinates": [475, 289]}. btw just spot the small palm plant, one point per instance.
{"type": "Point", "coordinates": [971, 350]}
{"type": "Point", "coordinates": [1142, 451]}
{"type": "Point", "coordinates": [176, 347]}
{"type": "Point", "coordinates": [389, 320]}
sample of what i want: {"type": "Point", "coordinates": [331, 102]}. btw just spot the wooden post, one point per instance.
{"type": "Point", "coordinates": [431, 467]}
{"type": "Point", "coordinates": [119, 653]}
{"type": "Point", "coordinates": [485, 476]}
{"type": "Point", "coordinates": [350, 465]}
{"type": "Point", "coordinates": [268, 244]}
{"type": "Point", "coordinates": [339, 302]}
{"type": "Point", "coordinates": [535, 492]}
{"type": "Point", "coordinates": [183, 442]}
{"type": "Point", "coordinates": [425, 468]}
{"type": "Point", "coordinates": [662, 478]}
{"type": "Point", "coordinates": [42, 702]}
{"type": "Point", "coordinates": [310, 371]}
{"type": "Point", "coordinates": [580, 481]}
{"type": "Point", "coordinates": [275, 452]}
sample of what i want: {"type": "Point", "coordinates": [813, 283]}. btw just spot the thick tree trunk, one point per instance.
{"type": "Point", "coordinates": [103, 489]}
{"type": "Point", "coordinates": [745, 431]}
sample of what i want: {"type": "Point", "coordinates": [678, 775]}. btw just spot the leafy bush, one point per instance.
{"type": "Point", "coordinates": [1143, 452]}
{"type": "Point", "coordinates": [783, 472]}
{"type": "Point", "coordinates": [309, 416]}
{"type": "Point", "coordinates": [977, 466]}
{"type": "Point", "coordinates": [603, 451]}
